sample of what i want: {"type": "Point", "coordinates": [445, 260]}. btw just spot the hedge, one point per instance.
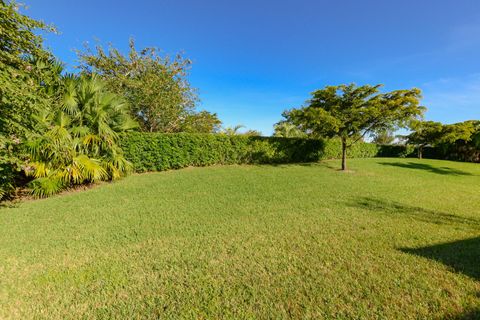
{"type": "Point", "coordinates": [160, 151]}
{"type": "Point", "coordinates": [163, 151]}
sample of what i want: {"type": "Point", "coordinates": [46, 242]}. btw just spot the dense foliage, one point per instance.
{"type": "Point", "coordinates": [75, 141]}
{"type": "Point", "coordinates": [156, 87]}
{"type": "Point", "coordinates": [27, 70]}
{"type": "Point", "coordinates": [158, 151]}
{"type": "Point", "coordinates": [458, 141]}
{"type": "Point", "coordinates": [23, 71]}
{"type": "Point", "coordinates": [288, 130]}
{"type": "Point", "coordinates": [350, 112]}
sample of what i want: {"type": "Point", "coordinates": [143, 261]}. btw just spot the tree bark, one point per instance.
{"type": "Point", "coordinates": [420, 152]}
{"type": "Point", "coordinates": [344, 154]}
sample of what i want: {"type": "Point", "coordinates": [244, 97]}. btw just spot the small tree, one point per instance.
{"type": "Point", "coordinates": [287, 130]}
{"type": "Point", "coordinates": [201, 122]}
{"type": "Point", "coordinates": [426, 133]}
{"type": "Point", "coordinates": [350, 112]}
{"type": "Point", "coordinates": [232, 131]}
{"type": "Point", "coordinates": [383, 137]}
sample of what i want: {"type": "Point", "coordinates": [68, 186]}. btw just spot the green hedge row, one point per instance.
{"type": "Point", "coordinates": [160, 151]}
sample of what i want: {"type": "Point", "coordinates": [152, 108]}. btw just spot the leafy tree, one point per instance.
{"type": "Point", "coordinates": [23, 69]}
{"type": "Point", "coordinates": [461, 140]}
{"type": "Point", "coordinates": [201, 122]}
{"type": "Point", "coordinates": [350, 112]}
{"type": "Point", "coordinates": [75, 141]}
{"type": "Point", "coordinates": [426, 133]}
{"type": "Point", "coordinates": [383, 137]}
{"type": "Point", "coordinates": [156, 87]}
{"type": "Point", "coordinates": [288, 130]}
{"type": "Point", "coordinates": [26, 70]}
{"type": "Point", "coordinates": [459, 131]}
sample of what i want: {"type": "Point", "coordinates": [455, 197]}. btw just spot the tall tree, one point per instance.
{"type": "Point", "coordinates": [156, 87]}
{"type": "Point", "coordinates": [25, 66]}
{"type": "Point", "coordinates": [350, 112]}
{"type": "Point", "coordinates": [26, 71]}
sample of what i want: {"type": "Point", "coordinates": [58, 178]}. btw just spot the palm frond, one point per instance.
{"type": "Point", "coordinates": [91, 169]}
{"type": "Point", "coordinates": [46, 186]}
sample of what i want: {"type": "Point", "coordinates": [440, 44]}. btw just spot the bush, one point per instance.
{"type": "Point", "coordinates": [162, 151]}
{"type": "Point", "coordinates": [396, 151]}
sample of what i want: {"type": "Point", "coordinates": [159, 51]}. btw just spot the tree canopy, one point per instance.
{"type": "Point", "coordinates": [25, 66]}
{"type": "Point", "coordinates": [464, 135]}
{"type": "Point", "coordinates": [157, 88]}
{"type": "Point", "coordinates": [350, 112]}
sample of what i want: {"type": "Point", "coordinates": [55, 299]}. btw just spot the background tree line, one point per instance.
{"type": "Point", "coordinates": [351, 113]}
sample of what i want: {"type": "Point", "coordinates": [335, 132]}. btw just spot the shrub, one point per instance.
{"type": "Point", "coordinates": [76, 141]}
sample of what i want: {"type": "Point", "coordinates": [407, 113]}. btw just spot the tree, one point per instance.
{"type": "Point", "coordinates": [156, 87]}
{"type": "Point", "coordinates": [201, 122]}
{"type": "Point", "coordinates": [383, 137]}
{"type": "Point", "coordinates": [26, 69]}
{"type": "Point", "coordinates": [459, 131]}
{"type": "Point", "coordinates": [232, 131]}
{"type": "Point", "coordinates": [350, 112]}
{"type": "Point", "coordinates": [287, 130]}
{"type": "Point", "coordinates": [75, 141]}
{"type": "Point", "coordinates": [460, 140]}
{"type": "Point", "coordinates": [252, 133]}
{"type": "Point", "coordinates": [22, 69]}
{"type": "Point", "coordinates": [426, 133]}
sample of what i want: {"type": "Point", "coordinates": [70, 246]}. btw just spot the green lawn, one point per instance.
{"type": "Point", "coordinates": [393, 239]}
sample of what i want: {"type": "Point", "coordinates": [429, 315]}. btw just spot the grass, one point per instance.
{"type": "Point", "coordinates": [393, 239]}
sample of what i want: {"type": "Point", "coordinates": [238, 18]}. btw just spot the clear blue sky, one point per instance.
{"type": "Point", "coordinates": [254, 59]}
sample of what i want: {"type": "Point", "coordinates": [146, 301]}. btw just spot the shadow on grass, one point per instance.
{"type": "Point", "coordinates": [462, 256]}
{"type": "Point", "coordinates": [468, 315]}
{"type": "Point", "coordinates": [427, 167]}
{"type": "Point", "coordinates": [414, 212]}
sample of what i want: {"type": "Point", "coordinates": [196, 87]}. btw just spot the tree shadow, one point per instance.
{"type": "Point", "coordinates": [467, 315]}
{"type": "Point", "coordinates": [462, 256]}
{"type": "Point", "coordinates": [417, 213]}
{"type": "Point", "coordinates": [428, 167]}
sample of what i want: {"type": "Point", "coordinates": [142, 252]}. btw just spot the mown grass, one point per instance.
{"type": "Point", "coordinates": [393, 239]}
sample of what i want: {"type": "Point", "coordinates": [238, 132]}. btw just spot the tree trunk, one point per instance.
{"type": "Point", "coordinates": [344, 154]}
{"type": "Point", "coordinates": [420, 152]}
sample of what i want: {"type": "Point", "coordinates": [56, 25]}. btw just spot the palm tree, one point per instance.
{"type": "Point", "coordinates": [232, 131]}
{"type": "Point", "coordinates": [288, 130]}
{"type": "Point", "coordinates": [75, 142]}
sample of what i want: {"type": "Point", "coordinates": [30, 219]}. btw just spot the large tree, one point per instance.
{"type": "Point", "coordinates": [25, 66]}
{"type": "Point", "coordinates": [156, 87]}
{"type": "Point", "coordinates": [350, 112]}
{"type": "Point", "coordinates": [27, 73]}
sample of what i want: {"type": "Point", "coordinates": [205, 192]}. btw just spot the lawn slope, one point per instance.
{"type": "Point", "coordinates": [393, 239]}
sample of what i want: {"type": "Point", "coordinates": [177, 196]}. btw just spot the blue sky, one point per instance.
{"type": "Point", "coordinates": [254, 59]}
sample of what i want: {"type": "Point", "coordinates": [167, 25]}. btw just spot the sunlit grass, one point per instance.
{"type": "Point", "coordinates": [392, 239]}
